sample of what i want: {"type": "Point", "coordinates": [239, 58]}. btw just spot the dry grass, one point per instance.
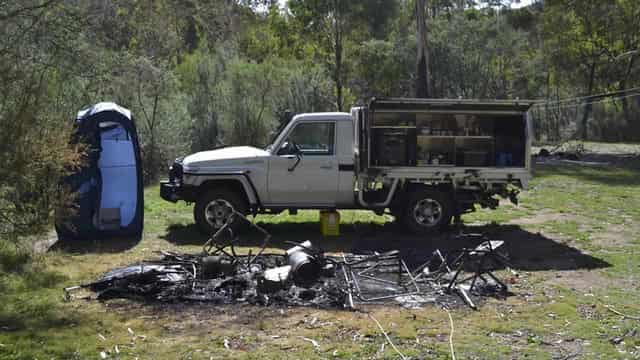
{"type": "Point", "coordinates": [574, 241]}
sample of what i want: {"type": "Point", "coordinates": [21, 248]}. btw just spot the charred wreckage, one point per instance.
{"type": "Point", "coordinates": [304, 276]}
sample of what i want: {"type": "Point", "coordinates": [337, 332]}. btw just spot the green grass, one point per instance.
{"type": "Point", "coordinates": [556, 310]}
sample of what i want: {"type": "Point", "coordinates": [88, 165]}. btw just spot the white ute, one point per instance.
{"type": "Point", "coordinates": [425, 160]}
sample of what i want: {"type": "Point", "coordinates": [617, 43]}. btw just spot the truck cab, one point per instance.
{"type": "Point", "coordinates": [425, 160]}
{"type": "Point", "coordinates": [309, 165]}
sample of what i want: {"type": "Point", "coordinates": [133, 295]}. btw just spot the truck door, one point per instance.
{"type": "Point", "coordinates": [310, 178]}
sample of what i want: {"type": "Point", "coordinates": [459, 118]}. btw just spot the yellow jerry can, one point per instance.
{"type": "Point", "coordinates": [330, 223]}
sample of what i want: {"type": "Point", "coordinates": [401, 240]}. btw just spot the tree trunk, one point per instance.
{"type": "Point", "coordinates": [338, 72]}
{"type": "Point", "coordinates": [625, 102]}
{"type": "Point", "coordinates": [546, 127]}
{"type": "Point", "coordinates": [337, 33]}
{"type": "Point", "coordinates": [153, 148]}
{"type": "Point", "coordinates": [588, 105]}
{"type": "Point", "coordinates": [423, 83]}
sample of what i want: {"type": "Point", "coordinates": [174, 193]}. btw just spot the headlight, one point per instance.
{"type": "Point", "coordinates": [175, 172]}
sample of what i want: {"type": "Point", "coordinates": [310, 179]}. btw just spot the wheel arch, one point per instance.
{"type": "Point", "coordinates": [402, 194]}
{"type": "Point", "coordinates": [238, 183]}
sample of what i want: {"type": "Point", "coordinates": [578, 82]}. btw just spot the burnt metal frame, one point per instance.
{"type": "Point", "coordinates": [219, 248]}
{"type": "Point", "coordinates": [481, 253]}
{"type": "Point", "coordinates": [351, 277]}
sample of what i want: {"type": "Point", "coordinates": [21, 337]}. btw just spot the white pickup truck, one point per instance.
{"type": "Point", "coordinates": [425, 160]}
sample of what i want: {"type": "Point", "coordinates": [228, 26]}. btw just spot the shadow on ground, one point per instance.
{"type": "Point", "coordinates": [97, 246]}
{"type": "Point", "coordinates": [527, 251]}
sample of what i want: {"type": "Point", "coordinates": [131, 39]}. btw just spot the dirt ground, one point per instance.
{"type": "Point", "coordinates": [573, 242]}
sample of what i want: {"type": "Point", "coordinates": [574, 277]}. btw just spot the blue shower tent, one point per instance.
{"type": "Point", "coordinates": [109, 189]}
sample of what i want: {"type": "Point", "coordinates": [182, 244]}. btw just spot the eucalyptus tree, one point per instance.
{"type": "Point", "coordinates": [330, 24]}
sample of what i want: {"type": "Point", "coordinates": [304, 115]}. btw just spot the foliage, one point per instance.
{"type": "Point", "coordinates": [563, 232]}
{"type": "Point", "coordinates": [477, 56]}
{"type": "Point", "coordinates": [306, 89]}
{"type": "Point", "coordinates": [249, 92]}
{"type": "Point", "coordinates": [199, 74]}
{"type": "Point", "coordinates": [37, 85]}
{"type": "Point", "coordinates": [591, 48]}
{"type": "Point", "coordinates": [383, 68]}
{"type": "Point", "coordinates": [202, 73]}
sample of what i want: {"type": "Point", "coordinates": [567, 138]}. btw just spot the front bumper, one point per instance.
{"type": "Point", "coordinates": [171, 191]}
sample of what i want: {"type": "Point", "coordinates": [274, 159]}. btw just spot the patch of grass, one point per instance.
{"type": "Point", "coordinates": [505, 213]}
{"type": "Point", "coordinates": [602, 192]}
{"type": "Point", "coordinates": [347, 217]}
{"type": "Point", "coordinates": [627, 260]}
{"type": "Point", "coordinates": [580, 205]}
{"type": "Point", "coordinates": [13, 259]}
{"type": "Point", "coordinates": [570, 228]}
{"type": "Point", "coordinates": [159, 214]}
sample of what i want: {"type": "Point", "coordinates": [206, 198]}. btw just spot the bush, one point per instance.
{"type": "Point", "coordinates": [249, 94]}
{"type": "Point", "coordinates": [39, 85]}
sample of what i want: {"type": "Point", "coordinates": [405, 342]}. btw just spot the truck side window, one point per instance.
{"type": "Point", "coordinates": [315, 138]}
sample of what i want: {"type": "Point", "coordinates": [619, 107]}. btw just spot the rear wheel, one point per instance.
{"type": "Point", "coordinates": [213, 209]}
{"type": "Point", "coordinates": [427, 211]}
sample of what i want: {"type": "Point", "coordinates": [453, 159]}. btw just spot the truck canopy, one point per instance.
{"type": "Point", "coordinates": [457, 105]}
{"type": "Point", "coordinates": [443, 133]}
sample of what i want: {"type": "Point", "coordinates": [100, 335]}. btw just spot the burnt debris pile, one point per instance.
{"type": "Point", "coordinates": [304, 276]}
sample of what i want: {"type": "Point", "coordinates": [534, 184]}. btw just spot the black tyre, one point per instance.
{"type": "Point", "coordinates": [427, 211]}
{"type": "Point", "coordinates": [213, 209]}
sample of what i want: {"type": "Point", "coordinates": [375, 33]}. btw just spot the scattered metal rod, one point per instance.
{"type": "Point", "coordinates": [401, 266]}
{"type": "Point", "coordinates": [442, 269]}
{"type": "Point", "coordinates": [378, 264]}
{"type": "Point", "coordinates": [220, 274]}
{"type": "Point", "coordinates": [362, 297]}
{"type": "Point", "coordinates": [233, 217]}
{"type": "Point", "coordinates": [481, 253]}
{"type": "Point", "coordinates": [465, 296]}
{"type": "Point", "coordinates": [348, 285]}
{"type": "Point", "coordinates": [265, 241]}
{"type": "Point", "coordinates": [376, 256]}
{"type": "Point", "coordinates": [195, 275]}
{"type": "Point", "coordinates": [410, 275]}
{"type": "Point", "coordinates": [384, 281]}
{"type": "Point", "coordinates": [211, 242]}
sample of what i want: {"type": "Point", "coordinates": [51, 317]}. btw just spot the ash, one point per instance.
{"type": "Point", "coordinates": [304, 276]}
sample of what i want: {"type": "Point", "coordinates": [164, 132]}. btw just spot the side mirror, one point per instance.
{"type": "Point", "coordinates": [285, 149]}
{"type": "Point", "coordinates": [289, 148]}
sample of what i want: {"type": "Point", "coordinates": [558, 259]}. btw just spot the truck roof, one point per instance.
{"type": "Point", "coordinates": [326, 116]}
{"type": "Point", "coordinates": [413, 104]}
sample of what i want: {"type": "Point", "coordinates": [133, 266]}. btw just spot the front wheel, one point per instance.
{"type": "Point", "coordinates": [427, 211]}
{"type": "Point", "coordinates": [213, 209]}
